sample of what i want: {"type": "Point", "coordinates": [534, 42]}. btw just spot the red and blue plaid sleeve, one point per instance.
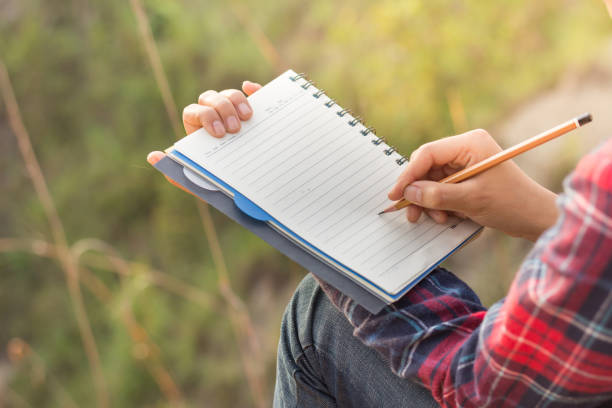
{"type": "Point", "coordinates": [548, 344]}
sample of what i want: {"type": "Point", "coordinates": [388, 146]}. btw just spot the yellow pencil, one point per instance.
{"type": "Point", "coordinates": [504, 155]}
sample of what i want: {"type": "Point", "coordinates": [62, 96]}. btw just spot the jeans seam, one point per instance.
{"type": "Point", "coordinates": [302, 355]}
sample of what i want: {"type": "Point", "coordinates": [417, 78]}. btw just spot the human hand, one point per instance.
{"type": "Point", "coordinates": [217, 112]}
{"type": "Point", "coordinates": [503, 197]}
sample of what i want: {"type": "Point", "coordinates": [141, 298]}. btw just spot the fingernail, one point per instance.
{"type": "Point", "coordinates": [232, 123]}
{"type": "Point", "coordinates": [218, 128]}
{"type": "Point", "coordinates": [151, 158]}
{"type": "Point", "coordinates": [244, 109]}
{"type": "Point", "coordinates": [413, 194]}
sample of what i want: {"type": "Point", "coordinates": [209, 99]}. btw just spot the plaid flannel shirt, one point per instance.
{"type": "Point", "coordinates": [547, 344]}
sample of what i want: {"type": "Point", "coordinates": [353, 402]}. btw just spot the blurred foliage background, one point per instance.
{"type": "Point", "coordinates": [168, 328]}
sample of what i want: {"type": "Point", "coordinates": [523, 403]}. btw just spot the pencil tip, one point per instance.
{"type": "Point", "coordinates": [382, 212]}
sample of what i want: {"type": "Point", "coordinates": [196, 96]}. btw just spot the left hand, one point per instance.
{"type": "Point", "coordinates": [214, 112]}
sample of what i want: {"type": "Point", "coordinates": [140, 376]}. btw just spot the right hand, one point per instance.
{"type": "Point", "coordinates": [503, 197]}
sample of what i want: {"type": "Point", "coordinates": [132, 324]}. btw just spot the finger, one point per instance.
{"type": "Point", "coordinates": [440, 196]}
{"type": "Point", "coordinates": [224, 108]}
{"type": "Point", "coordinates": [250, 88]}
{"type": "Point", "coordinates": [432, 154]}
{"type": "Point", "coordinates": [196, 116]}
{"type": "Point", "coordinates": [455, 152]}
{"type": "Point", "coordinates": [438, 216]}
{"type": "Point", "coordinates": [191, 121]}
{"type": "Point", "coordinates": [241, 105]}
{"type": "Point", "coordinates": [413, 213]}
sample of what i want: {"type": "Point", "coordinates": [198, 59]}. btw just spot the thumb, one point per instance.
{"type": "Point", "coordinates": [250, 87]}
{"type": "Point", "coordinates": [439, 196]}
{"type": "Point", "coordinates": [154, 157]}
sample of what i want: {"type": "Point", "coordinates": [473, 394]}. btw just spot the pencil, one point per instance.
{"type": "Point", "coordinates": [504, 155]}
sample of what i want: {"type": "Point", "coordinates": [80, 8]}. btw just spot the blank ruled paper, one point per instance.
{"type": "Point", "coordinates": [322, 179]}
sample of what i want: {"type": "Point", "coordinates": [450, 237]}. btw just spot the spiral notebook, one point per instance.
{"type": "Point", "coordinates": [318, 176]}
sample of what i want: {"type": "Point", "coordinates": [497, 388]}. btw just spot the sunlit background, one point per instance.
{"type": "Point", "coordinates": [117, 289]}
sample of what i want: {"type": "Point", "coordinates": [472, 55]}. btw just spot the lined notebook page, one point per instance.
{"type": "Point", "coordinates": [321, 178]}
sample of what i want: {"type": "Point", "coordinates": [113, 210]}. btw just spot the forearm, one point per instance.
{"type": "Point", "coordinates": [540, 211]}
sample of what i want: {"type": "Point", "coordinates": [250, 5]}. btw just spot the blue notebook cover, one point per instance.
{"type": "Point", "coordinates": [227, 206]}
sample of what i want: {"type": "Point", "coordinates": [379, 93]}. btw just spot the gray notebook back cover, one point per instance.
{"type": "Point", "coordinates": [226, 205]}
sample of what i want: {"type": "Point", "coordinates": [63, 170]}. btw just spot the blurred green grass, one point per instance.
{"type": "Point", "coordinates": [93, 111]}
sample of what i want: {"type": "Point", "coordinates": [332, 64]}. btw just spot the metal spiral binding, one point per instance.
{"type": "Point", "coordinates": [318, 93]}
{"type": "Point", "coordinates": [297, 76]}
{"type": "Point", "coordinates": [330, 103]}
{"type": "Point", "coordinates": [390, 150]}
{"type": "Point", "coordinates": [378, 140]}
{"type": "Point", "coordinates": [353, 122]}
{"type": "Point", "coordinates": [343, 112]}
{"type": "Point", "coordinates": [307, 84]}
{"type": "Point", "coordinates": [368, 130]}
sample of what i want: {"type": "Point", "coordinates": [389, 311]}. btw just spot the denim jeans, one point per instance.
{"type": "Point", "coordinates": [321, 364]}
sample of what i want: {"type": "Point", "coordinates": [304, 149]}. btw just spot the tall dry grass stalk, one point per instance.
{"type": "Point", "coordinates": [148, 42]}
{"type": "Point", "coordinates": [159, 279]}
{"type": "Point", "coordinates": [64, 256]}
{"type": "Point", "coordinates": [246, 336]}
{"type": "Point", "coordinates": [144, 350]}
{"type": "Point", "coordinates": [70, 257]}
{"type": "Point", "coordinates": [103, 259]}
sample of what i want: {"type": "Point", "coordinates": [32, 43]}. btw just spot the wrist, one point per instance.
{"type": "Point", "coordinates": [544, 213]}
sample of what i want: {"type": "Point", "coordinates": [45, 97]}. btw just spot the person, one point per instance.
{"type": "Point", "coordinates": [548, 343]}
